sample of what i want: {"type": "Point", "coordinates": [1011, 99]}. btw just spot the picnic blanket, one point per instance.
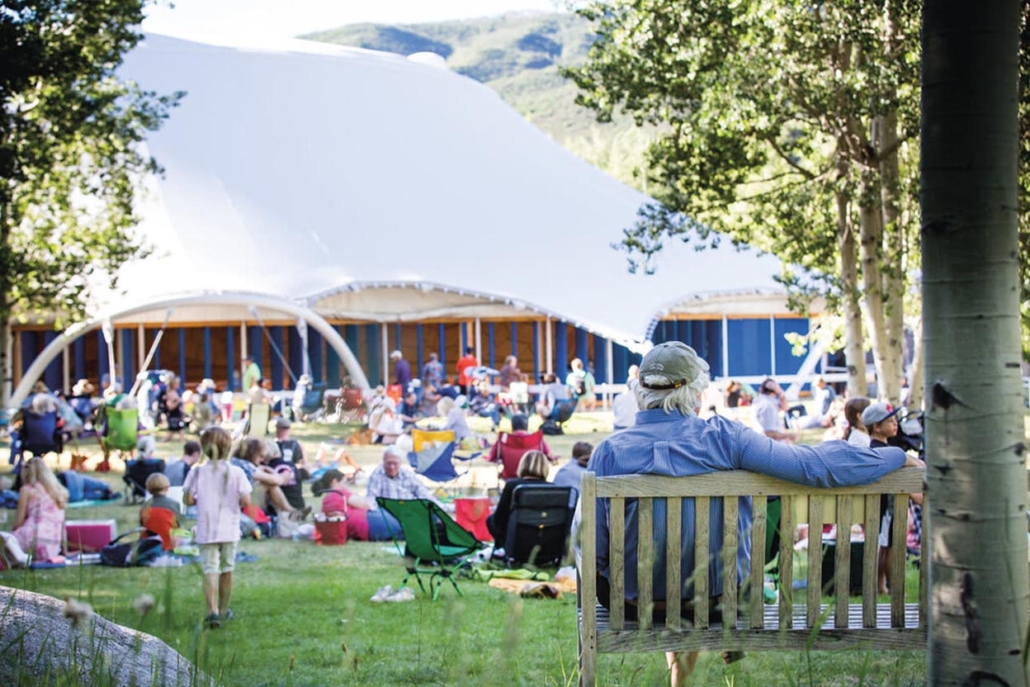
{"type": "Point", "coordinates": [534, 589]}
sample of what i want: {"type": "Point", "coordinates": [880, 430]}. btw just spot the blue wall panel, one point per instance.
{"type": "Point", "coordinates": [128, 356]}
{"type": "Point", "coordinates": [255, 349]}
{"type": "Point", "coordinates": [786, 362]}
{"type": "Point", "coordinates": [275, 363]}
{"type": "Point", "coordinates": [315, 346]}
{"type": "Point", "coordinates": [561, 350]}
{"type": "Point", "coordinates": [749, 347]}
{"type": "Point", "coordinates": [372, 366]}
{"type": "Point", "coordinates": [295, 355]}
{"type": "Point", "coordinates": [230, 356]}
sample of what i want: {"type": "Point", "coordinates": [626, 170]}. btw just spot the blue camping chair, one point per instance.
{"type": "Point", "coordinates": [434, 462]}
{"type": "Point", "coordinates": [38, 435]}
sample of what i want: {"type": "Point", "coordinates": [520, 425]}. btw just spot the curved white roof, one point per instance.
{"type": "Point", "coordinates": [307, 170]}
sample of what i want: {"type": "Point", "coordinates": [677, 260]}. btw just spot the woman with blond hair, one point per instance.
{"type": "Point", "coordinates": [39, 523]}
{"type": "Point", "coordinates": [533, 469]}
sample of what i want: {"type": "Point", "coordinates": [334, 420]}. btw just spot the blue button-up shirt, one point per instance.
{"type": "Point", "coordinates": [677, 445]}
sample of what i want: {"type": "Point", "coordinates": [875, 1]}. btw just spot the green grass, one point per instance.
{"type": "Point", "coordinates": [303, 617]}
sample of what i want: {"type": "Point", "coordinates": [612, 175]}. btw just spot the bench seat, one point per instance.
{"type": "Point", "coordinates": [854, 636]}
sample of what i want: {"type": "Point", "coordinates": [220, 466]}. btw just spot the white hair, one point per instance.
{"type": "Point", "coordinates": [684, 399]}
{"type": "Point", "coordinates": [444, 406]}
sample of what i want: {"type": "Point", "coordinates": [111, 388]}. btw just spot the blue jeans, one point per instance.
{"type": "Point", "coordinates": [491, 411]}
{"type": "Point", "coordinates": [380, 524]}
{"type": "Point", "coordinates": [82, 488]}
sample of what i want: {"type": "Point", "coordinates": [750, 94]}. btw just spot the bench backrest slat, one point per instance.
{"type": "Point", "coordinates": [871, 525]}
{"type": "Point", "coordinates": [645, 563]}
{"type": "Point", "coordinates": [786, 564]}
{"type": "Point", "coordinates": [842, 561]}
{"type": "Point", "coordinates": [815, 560]}
{"type": "Point", "coordinates": [758, 527]}
{"type": "Point", "coordinates": [741, 483]}
{"type": "Point", "coordinates": [729, 561]}
{"type": "Point", "coordinates": [701, 556]}
{"type": "Point", "coordinates": [899, 524]}
{"type": "Point", "coordinates": [617, 563]}
{"type": "Point", "coordinates": [673, 544]}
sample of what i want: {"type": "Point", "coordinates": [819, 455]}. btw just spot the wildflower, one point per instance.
{"type": "Point", "coordinates": [77, 611]}
{"type": "Point", "coordinates": [144, 604]}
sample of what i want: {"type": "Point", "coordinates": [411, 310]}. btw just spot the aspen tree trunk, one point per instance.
{"type": "Point", "coordinates": [893, 268]}
{"type": "Point", "coordinates": [975, 439]}
{"type": "Point", "coordinates": [888, 376]}
{"type": "Point", "coordinates": [853, 350]}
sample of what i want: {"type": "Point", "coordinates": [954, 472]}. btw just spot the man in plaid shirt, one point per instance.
{"type": "Point", "coordinates": [395, 480]}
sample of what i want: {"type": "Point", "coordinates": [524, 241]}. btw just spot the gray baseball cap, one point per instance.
{"type": "Point", "coordinates": [878, 412]}
{"type": "Point", "coordinates": [676, 361]}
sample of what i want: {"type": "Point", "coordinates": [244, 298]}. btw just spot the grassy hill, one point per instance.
{"type": "Point", "coordinates": [518, 55]}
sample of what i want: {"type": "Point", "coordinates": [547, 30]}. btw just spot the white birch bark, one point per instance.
{"type": "Point", "coordinates": [975, 438]}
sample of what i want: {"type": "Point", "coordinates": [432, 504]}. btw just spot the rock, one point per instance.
{"type": "Point", "coordinates": [62, 642]}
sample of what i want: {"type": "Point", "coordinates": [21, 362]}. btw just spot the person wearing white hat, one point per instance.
{"type": "Point", "coordinates": [670, 439]}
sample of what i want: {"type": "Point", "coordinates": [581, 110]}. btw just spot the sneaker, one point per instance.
{"type": "Point", "coordinates": [213, 621]}
{"type": "Point", "coordinates": [383, 594]}
{"type": "Point", "coordinates": [229, 614]}
{"type": "Point", "coordinates": [402, 594]}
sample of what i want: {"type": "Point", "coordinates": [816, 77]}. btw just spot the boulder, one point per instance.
{"type": "Point", "coordinates": [43, 639]}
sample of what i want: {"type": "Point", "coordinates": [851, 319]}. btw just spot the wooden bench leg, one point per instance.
{"type": "Point", "coordinates": [587, 662]}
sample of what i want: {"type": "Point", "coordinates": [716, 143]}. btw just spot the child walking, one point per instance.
{"type": "Point", "coordinates": [219, 490]}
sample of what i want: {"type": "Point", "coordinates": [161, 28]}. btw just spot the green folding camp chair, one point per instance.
{"type": "Point", "coordinates": [431, 536]}
{"type": "Point", "coordinates": [120, 429]}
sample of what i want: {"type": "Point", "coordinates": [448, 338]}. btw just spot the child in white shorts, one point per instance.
{"type": "Point", "coordinates": [219, 490]}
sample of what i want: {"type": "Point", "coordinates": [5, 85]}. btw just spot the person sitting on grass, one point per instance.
{"type": "Point", "coordinates": [364, 523]}
{"type": "Point", "coordinates": [454, 418]}
{"type": "Point", "coordinates": [161, 514]}
{"type": "Point", "coordinates": [177, 470]}
{"type": "Point", "coordinates": [219, 490]}
{"type": "Point", "coordinates": [39, 520]}
{"type": "Point", "coordinates": [533, 469]}
{"type": "Point", "coordinates": [570, 474]}
{"type": "Point", "coordinates": [253, 454]}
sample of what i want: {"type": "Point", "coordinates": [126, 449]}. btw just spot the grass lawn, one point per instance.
{"type": "Point", "coordinates": [303, 616]}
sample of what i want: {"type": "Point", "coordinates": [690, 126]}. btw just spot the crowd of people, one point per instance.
{"type": "Point", "coordinates": [240, 486]}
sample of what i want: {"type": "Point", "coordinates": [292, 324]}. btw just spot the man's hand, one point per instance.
{"type": "Point", "coordinates": [913, 462]}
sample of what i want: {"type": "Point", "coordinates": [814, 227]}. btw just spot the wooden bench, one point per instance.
{"type": "Point", "coordinates": [788, 625]}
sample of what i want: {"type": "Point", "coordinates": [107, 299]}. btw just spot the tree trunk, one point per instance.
{"type": "Point", "coordinates": [893, 266]}
{"type": "Point", "coordinates": [975, 438]}
{"type": "Point", "coordinates": [888, 376]}
{"type": "Point", "coordinates": [6, 364]}
{"type": "Point", "coordinates": [853, 349]}
{"type": "Point", "coordinates": [915, 379]}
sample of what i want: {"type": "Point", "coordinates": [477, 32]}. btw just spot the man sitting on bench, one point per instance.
{"type": "Point", "coordinates": [669, 439]}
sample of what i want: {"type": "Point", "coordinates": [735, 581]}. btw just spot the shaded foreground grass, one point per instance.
{"type": "Point", "coordinates": [303, 617]}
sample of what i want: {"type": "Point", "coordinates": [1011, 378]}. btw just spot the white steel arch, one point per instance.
{"type": "Point", "coordinates": [246, 300]}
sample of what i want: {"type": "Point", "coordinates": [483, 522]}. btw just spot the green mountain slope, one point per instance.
{"type": "Point", "coordinates": [518, 55]}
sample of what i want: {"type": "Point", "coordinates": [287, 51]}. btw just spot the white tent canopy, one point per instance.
{"type": "Point", "coordinates": [364, 184]}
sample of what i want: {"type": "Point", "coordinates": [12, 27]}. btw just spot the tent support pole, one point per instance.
{"type": "Point", "coordinates": [65, 365]}
{"type": "Point", "coordinates": [772, 344]}
{"type": "Point", "coordinates": [243, 343]}
{"type": "Point", "coordinates": [479, 341]}
{"type": "Point", "coordinates": [385, 330]}
{"type": "Point", "coordinates": [141, 345]}
{"type": "Point", "coordinates": [548, 346]}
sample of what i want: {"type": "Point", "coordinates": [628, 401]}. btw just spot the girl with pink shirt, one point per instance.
{"type": "Point", "coordinates": [219, 490]}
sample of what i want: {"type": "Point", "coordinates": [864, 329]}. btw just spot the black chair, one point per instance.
{"type": "Point", "coordinates": [538, 528]}
{"type": "Point", "coordinates": [136, 473]}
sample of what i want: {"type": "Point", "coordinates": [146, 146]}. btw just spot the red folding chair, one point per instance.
{"type": "Point", "coordinates": [511, 448]}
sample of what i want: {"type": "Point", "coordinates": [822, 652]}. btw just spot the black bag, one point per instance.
{"type": "Point", "coordinates": [551, 428]}
{"type": "Point", "coordinates": [580, 388]}
{"type": "Point", "coordinates": [124, 555]}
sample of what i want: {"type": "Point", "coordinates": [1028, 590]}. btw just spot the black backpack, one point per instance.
{"type": "Point", "coordinates": [124, 555]}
